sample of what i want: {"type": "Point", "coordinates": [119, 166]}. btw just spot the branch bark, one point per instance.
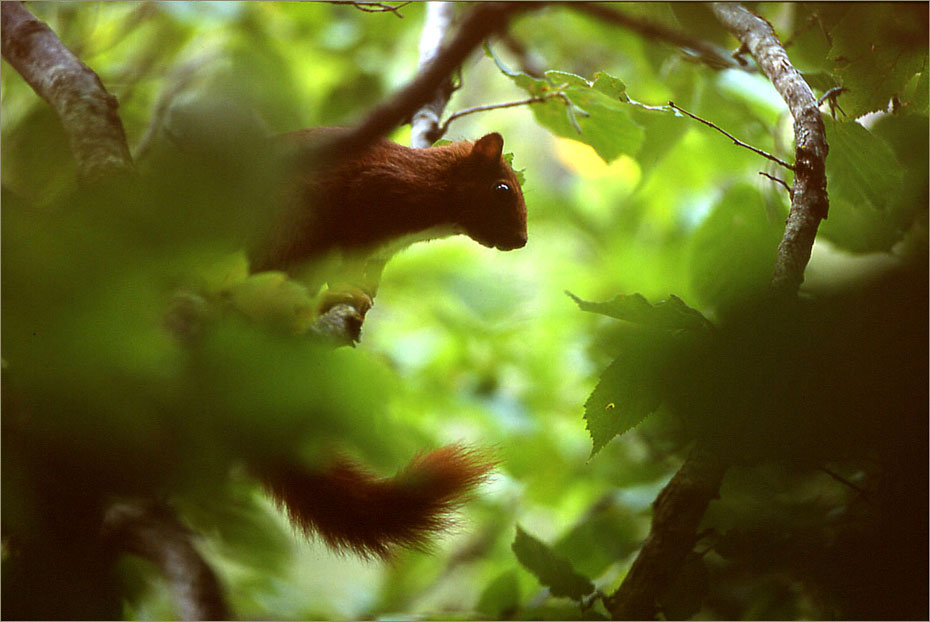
{"type": "Point", "coordinates": [425, 129]}
{"type": "Point", "coordinates": [86, 110]}
{"type": "Point", "coordinates": [707, 53]}
{"type": "Point", "coordinates": [484, 20]}
{"type": "Point", "coordinates": [677, 513]}
{"type": "Point", "coordinates": [680, 506]}
{"type": "Point", "coordinates": [809, 203]}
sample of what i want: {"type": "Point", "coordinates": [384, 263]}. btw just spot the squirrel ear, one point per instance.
{"type": "Point", "coordinates": [489, 147]}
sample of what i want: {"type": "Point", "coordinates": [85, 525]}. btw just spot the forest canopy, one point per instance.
{"type": "Point", "coordinates": [695, 407]}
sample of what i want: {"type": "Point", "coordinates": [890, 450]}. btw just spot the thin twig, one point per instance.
{"type": "Point", "coordinates": [831, 94]}
{"type": "Point", "coordinates": [846, 482]}
{"type": "Point", "coordinates": [776, 179]}
{"type": "Point", "coordinates": [375, 7]}
{"type": "Point", "coordinates": [523, 102]}
{"type": "Point", "coordinates": [733, 138]}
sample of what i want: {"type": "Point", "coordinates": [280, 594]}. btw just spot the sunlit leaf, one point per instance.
{"type": "Point", "coordinates": [627, 392]}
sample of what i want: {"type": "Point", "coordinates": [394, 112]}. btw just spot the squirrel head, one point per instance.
{"type": "Point", "coordinates": [494, 213]}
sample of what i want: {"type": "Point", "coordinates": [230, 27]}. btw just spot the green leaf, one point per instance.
{"type": "Point", "coordinates": [554, 572]}
{"type": "Point", "coordinates": [861, 167]}
{"type": "Point", "coordinates": [610, 86]}
{"type": "Point", "coordinates": [627, 391]}
{"type": "Point", "coordinates": [877, 49]}
{"type": "Point", "coordinates": [598, 114]}
{"type": "Point", "coordinates": [732, 253]}
{"type": "Point", "coordinates": [686, 593]}
{"type": "Point", "coordinates": [564, 77]}
{"type": "Point", "coordinates": [607, 124]}
{"type": "Point", "coordinates": [672, 313]}
{"type": "Point", "coordinates": [875, 192]}
{"type": "Point", "coordinates": [521, 177]}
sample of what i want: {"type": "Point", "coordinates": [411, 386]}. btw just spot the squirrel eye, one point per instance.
{"type": "Point", "coordinates": [502, 188]}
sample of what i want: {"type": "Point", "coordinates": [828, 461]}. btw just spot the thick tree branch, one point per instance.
{"type": "Point", "coordinates": [676, 515]}
{"type": "Point", "coordinates": [154, 532]}
{"type": "Point", "coordinates": [809, 201]}
{"type": "Point", "coordinates": [86, 110]}
{"type": "Point", "coordinates": [707, 53]}
{"type": "Point", "coordinates": [680, 507]}
{"type": "Point", "coordinates": [482, 21]}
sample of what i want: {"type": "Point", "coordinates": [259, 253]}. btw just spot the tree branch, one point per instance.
{"type": "Point", "coordinates": [484, 20]}
{"type": "Point", "coordinates": [86, 110]}
{"type": "Point", "coordinates": [154, 532]}
{"type": "Point", "coordinates": [681, 505]}
{"type": "Point", "coordinates": [809, 202]}
{"type": "Point", "coordinates": [424, 125]}
{"type": "Point", "coordinates": [676, 515]}
{"type": "Point", "coordinates": [374, 7]}
{"type": "Point", "coordinates": [707, 53]}
{"type": "Point", "coordinates": [523, 102]}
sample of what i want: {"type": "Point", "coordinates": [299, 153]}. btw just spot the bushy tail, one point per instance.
{"type": "Point", "coordinates": [353, 509]}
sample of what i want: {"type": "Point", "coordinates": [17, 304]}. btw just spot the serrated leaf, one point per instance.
{"type": "Point", "coordinates": [877, 49]}
{"type": "Point", "coordinates": [596, 113]}
{"type": "Point", "coordinates": [627, 392]}
{"type": "Point", "coordinates": [671, 314]}
{"type": "Point", "coordinates": [552, 571]}
{"type": "Point", "coordinates": [861, 168]}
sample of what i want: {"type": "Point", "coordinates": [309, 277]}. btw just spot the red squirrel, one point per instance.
{"type": "Point", "coordinates": [369, 206]}
{"type": "Point", "coordinates": [391, 195]}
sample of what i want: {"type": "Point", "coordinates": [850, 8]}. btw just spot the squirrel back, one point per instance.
{"type": "Point", "coordinates": [391, 193]}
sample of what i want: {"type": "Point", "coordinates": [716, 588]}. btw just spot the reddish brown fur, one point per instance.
{"type": "Point", "coordinates": [352, 509]}
{"type": "Point", "coordinates": [390, 191]}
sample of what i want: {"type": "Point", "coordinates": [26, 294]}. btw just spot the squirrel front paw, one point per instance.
{"type": "Point", "coordinates": [343, 294]}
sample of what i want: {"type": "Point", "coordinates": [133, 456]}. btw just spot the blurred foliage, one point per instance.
{"type": "Point", "coordinates": [140, 358]}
